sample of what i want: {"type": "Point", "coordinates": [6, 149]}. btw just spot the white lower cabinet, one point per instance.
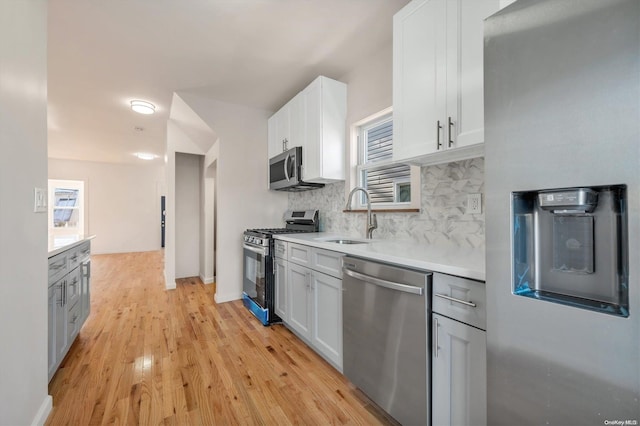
{"type": "Point", "coordinates": [300, 296]}
{"type": "Point", "coordinates": [459, 374]}
{"type": "Point", "coordinates": [281, 282]}
{"type": "Point", "coordinates": [327, 316]}
{"type": "Point", "coordinates": [311, 305]}
{"type": "Point", "coordinates": [459, 352]}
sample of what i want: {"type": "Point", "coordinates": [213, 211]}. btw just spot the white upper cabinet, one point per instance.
{"type": "Point", "coordinates": [323, 147]}
{"type": "Point", "coordinates": [286, 127]}
{"type": "Point", "coordinates": [438, 95]}
{"type": "Point", "coordinates": [314, 119]}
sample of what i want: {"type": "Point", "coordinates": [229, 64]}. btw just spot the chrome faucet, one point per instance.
{"type": "Point", "coordinates": [372, 220]}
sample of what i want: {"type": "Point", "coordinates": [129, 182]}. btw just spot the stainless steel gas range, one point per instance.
{"type": "Point", "coordinates": [258, 292]}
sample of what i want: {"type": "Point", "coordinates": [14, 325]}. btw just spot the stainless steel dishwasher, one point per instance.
{"type": "Point", "coordinates": [385, 312]}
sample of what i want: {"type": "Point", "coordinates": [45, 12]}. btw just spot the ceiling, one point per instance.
{"type": "Point", "coordinates": [258, 53]}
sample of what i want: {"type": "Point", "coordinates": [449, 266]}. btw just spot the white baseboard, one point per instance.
{"type": "Point", "coordinates": [43, 412]}
{"type": "Point", "coordinates": [222, 298]}
{"type": "Point", "coordinates": [207, 280]}
{"type": "Point", "coordinates": [169, 283]}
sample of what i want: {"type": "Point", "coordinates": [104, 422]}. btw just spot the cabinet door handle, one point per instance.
{"type": "Point", "coordinates": [453, 299]}
{"type": "Point", "coordinates": [61, 300]}
{"type": "Point", "coordinates": [438, 128]}
{"type": "Point", "coordinates": [86, 270]}
{"type": "Point", "coordinates": [435, 337]}
{"type": "Point", "coordinates": [450, 125]}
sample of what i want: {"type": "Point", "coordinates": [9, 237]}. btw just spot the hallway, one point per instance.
{"type": "Point", "coordinates": [151, 356]}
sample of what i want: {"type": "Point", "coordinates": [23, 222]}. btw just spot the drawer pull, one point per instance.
{"type": "Point", "coordinates": [453, 299]}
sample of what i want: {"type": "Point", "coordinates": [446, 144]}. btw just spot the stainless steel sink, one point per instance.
{"type": "Point", "coordinates": [347, 242]}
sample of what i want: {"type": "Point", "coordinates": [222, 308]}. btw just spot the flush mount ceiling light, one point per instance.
{"type": "Point", "coordinates": [143, 107]}
{"type": "Point", "coordinates": [144, 155]}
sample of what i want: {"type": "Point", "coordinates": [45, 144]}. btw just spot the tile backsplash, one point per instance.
{"type": "Point", "coordinates": [441, 220]}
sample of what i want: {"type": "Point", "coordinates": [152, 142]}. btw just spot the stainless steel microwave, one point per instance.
{"type": "Point", "coordinates": [285, 172]}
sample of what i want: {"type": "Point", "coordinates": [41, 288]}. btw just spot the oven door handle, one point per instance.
{"type": "Point", "coordinates": [263, 251]}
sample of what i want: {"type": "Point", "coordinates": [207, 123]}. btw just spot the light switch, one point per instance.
{"type": "Point", "coordinates": [40, 200]}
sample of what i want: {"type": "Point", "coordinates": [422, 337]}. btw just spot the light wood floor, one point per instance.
{"type": "Point", "coordinates": [151, 356]}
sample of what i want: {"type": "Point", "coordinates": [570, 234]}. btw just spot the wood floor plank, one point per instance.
{"type": "Point", "coordinates": [148, 356]}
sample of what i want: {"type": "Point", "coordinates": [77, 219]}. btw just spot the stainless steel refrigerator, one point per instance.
{"type": "Point", "coordinates": [562, 194]}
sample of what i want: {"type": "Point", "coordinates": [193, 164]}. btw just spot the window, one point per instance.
{"type": "Point", "coordinates": [66, 207]}
{"type": "Point", "coordinates": [391, 185]}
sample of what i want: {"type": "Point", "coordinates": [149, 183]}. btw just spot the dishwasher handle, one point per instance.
{"type": "Point", "coordinates": [384, 283]}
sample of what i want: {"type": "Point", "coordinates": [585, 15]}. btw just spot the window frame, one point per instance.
{"type": "Point", "coordinates": [357, 152]}
{"type": "Point", "coordinates": [78, 185]}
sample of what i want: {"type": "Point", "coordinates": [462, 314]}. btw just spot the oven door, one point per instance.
{"type": "Point", "coordinates": [255, 272]}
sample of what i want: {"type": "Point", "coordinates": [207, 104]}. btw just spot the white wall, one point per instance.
{"type": "Point", "coordinates": [207, 223]}
{"type": "Point", "coordinates": [23, 233]}
{"type": "Point", "coordinates": [370, 85]}
{"type": "Point", "coordinates": [242, 198]}
{"type": "Point", "coordinates": [187, 213]}
{"type": "Point", "coordinates": [122, 201]}
{"type": "Point", "coordinates": [369, 90]}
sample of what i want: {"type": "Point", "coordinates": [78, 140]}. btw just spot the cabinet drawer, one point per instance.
{"type": "Point", "coordinates": [300, 254]}
{"type": "Point", "coordinates": [58, 265]}
{"type": "Point", "coordinates": [455, 298]}
{"type": "Point", "coordinates": [328, 262]}
{"type": "Point", "coordinates": [74, 258]}
{"type": "Point", "coordinates": [280, 248]}
{"type": "Point", "coordinates": [84, 250]}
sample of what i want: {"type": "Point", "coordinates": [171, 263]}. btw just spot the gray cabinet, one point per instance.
{"type": "Point", "coordinates": [68, 301]}
{"type": "Point", "coordinates": [281, 280]}
{"type": "Point", "coordinates": [57, 338]}
{"type": "Point", "coordinates": [300, 293]}
{"type": "Point", "coordinates": [85, 292]}
{"type": "Point", "coordinates": [459, 373]}
{"type": "Point", "coordinates": [459, 352]}
{"type": "Point", "coordinates": [327, 316]}
{"type": "Point", "coordinates": [281, 283]}
{"type": "Point", "coordinates": [313, 298]}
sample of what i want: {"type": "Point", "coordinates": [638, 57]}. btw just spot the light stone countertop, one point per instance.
{"type": "Point", "coordinates": [460, 261]}
{"type": "Point", "coordinates": [60, 243]}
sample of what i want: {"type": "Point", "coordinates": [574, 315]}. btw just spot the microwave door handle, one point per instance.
{"type": "Point", "coordinates": [286, 168]}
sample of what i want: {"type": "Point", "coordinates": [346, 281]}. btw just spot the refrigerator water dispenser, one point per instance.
{"type": "Point", "coordinates": [570, 247]}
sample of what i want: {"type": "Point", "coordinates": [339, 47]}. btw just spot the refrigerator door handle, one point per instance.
{"type": "Point", "coordinates": [453, 299]}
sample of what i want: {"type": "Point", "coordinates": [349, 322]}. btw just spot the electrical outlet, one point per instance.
{"type": "Point", "coordinates": [474, 203]}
